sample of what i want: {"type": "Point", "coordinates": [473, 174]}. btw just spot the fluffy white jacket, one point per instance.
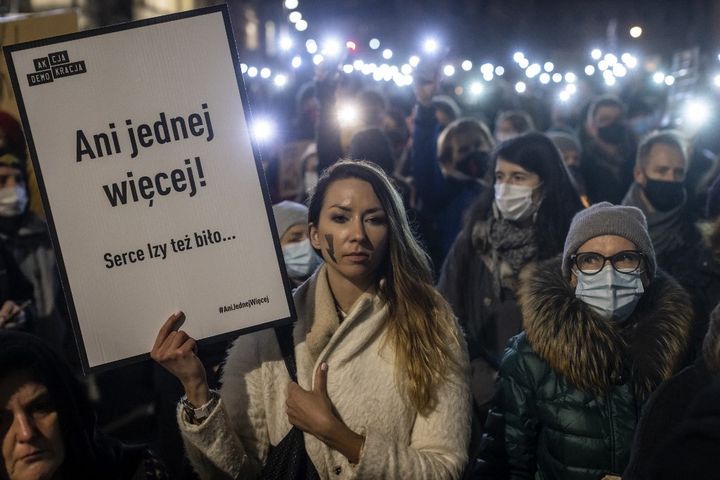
{"type": "Point", "coordinates": [399, 443]}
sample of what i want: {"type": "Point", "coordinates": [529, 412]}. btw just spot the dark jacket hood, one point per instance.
{"type": "Point", "coordinates": [594, 354]}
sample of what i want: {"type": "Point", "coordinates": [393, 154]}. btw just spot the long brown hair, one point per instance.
{"type": "Point", "coordinates": [421, 326]}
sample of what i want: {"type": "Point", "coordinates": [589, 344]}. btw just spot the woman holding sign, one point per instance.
{"type": "Point", "coordinates": [382, 372]}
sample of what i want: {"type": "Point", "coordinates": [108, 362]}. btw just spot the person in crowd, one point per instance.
{"type": "Point", "coordinates": [660, 193]}
{"type": "Point", "coordinates": [604, 327]}
{"type": "Point", "coordinates": [703, 168]}
{"type": "Point", "coordinates": [511, 123]}
{"type": "Point", "coordinates": [447, 171]}
{"type": "Point", "coordinates": [300, 258]}
{"type": "Point", "coordinates": [382, 370]}
{"type": "Point", "coordinates": [524, 221]}
{"type": "Point", "coordinates": [25, 235]}
{"type": "Point", "coordinates": [571, 152]}
{"type": "Point", "coordinates": [47, 424]}
{"type": "Point", "coordinates": [669, 406]}
{"type": "Point", "coordinates": [608, 151]}
{"type": "Point", "coordinates": [446, 110]}
{"type": "Point", "coordinates": [306, 113]}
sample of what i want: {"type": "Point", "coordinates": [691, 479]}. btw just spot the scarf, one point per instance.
{"type": "Point", "coordinates": [667, 229]}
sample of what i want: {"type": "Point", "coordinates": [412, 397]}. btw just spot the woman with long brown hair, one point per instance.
{"type": "Point", "coordinates": [382, 371]}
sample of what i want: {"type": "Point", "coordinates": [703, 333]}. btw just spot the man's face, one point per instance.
{"type": "Point", "coordinates": [665, 163]}
{"type": "Point", "coordinates": [11, 177]}
{"type": "Point", "coordinates": [604, 116]}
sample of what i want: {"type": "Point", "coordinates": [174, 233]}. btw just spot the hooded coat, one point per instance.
{"type": "Point", "coordinates": [572, 385]}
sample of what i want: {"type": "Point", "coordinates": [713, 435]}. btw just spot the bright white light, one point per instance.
{"type": "Point", "coordinates": [296, 62]}
{"type": "Point", "coordinates": [696, 112]}
{"type": "Point", "coordinates": [406, 69]}
{"type": "Point", "coordinates": [318, 59]}
{"type": "Point", "coordinates": [533, 70]}
{"type": "Point", "coordinates": [636, 31]}
{"type": "Point", "coordinates": [466, 65]}
{"type": "Point", "coordinates": [523, 63]}
{"type": "Point", "coordinates": [291, 4]}
{"type": "Point", "coordinates": [658, 77]}
{"type": "Point", "coordinates": [348, 68]}
{"type": "Point", "coordinates": [716, 80]}
{"type": "Point", "coordinates": [377, 75]}
{"type": "Point", "coordinates": [414, 61]}
{"type": "Point", "coordinates": [520, 87]}
{"type": "Point", "coordinates": [243, 68]}
{"type": "Point", "coordinates": [571, 89]}
{"type": "Point", "coordinates": [611, 59]}
{"type": "Point", "coordinates": [596, 54]}
{"type": "Point", "coordinates": [589, 70]}
{"type": "Point", "coordinates": [499, 70]}
{"type": "Point", "coordinates": [295, 17]}
{"type": "Point", "coordinates": [358, 64]}
{"type": "Point", "coordinates": [486, 68]}
{"type": "Point", "coordinates": [629, 60]}
{"type": "Point", "coordinates": [564, 96]}
{"type": "Point", "coordinates": [488, 76]}
{"type": "Point", "coordinates": [265, 72]}
{"type": "Point", "coordinates": [669, 80]}
{"type": "Point", "coordinates": [280, 80]}
{"type": "Point", "coordinates": [609, 78]}
{"type": "Point", "coordinates": [263, 130]}
{"type": "Point", "coordinates": [387, 54]}
{"type": "Point", "coordinates": [301, 26]}
{"type": "Point", "coordinates": [374, 43]}
{"type": "Point", "coordinates": [602, 65]}
{"type": "Point", "coordinates": [549, 66]}
{"type": "Point", "coordinates": [286, 43]}
{"type": "Point", "coordinates": [619, 70]}
{"type": "Point", "coordinates": [449, 70]}
{"type": "Point", "coordinates": [570, 77]}
{"type": "Point", "coordinates": [311, 46]}
{"type": "Point", "coordinates": [518, 56]}
{"type": "Point", "coordinates": [544, 78]}
{"type": "Point", "coordinates": [430, 45]}
{"type": "Point", "coordinates": [350, 45]}
{"type": "Point", "coordinates": [476, 88]}
{"type": "Point", "coordinates": [252, 72]}
{"type": "Point", "coordinates": [331, 47]}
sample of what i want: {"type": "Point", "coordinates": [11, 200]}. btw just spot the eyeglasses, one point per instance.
{"type": "Point", "coordinates": [590, 263]}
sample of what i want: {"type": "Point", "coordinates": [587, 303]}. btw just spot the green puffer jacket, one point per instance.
{"type": "Point", "coordinates": [572, 385]}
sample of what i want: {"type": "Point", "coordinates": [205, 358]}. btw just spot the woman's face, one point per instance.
{"type": "Point", "coordinates": [607, 246]}
{"type": "Point", "coordinates": [514, 174]}
{"type": "Point", "coordinates": [352, 231]}
{"type": "Point", "coordinates": [32, 444]}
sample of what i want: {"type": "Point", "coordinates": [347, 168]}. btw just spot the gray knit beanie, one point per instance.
{"type": "Point", "coordinates": [288, 214]}
{"type": "Point", "coordinates": [565, 141]}
{"type": "Point", "coordinates": [608, 219]}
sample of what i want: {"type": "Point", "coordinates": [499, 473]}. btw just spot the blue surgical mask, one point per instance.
{"type": "Point", "coordinates": [613, 295]}
{"type": "Point", "coordinates": [300, 260]}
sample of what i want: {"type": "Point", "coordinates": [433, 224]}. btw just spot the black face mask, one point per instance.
{"type": "Point", "coordinates": [474, 164]}
{"type": "Point", "coordinates": [614, 134]}
{"type": "Point", "coordinates": [664, 196]}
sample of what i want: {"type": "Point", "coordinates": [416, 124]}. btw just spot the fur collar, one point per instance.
{"type": "Point", "coordinates": [593, 354]}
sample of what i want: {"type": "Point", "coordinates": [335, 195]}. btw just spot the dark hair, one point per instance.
{"type": "Point", "coordinates": [374, 146]}
{"type": "Point", "coordinates": [372, 107]}
{"type": "Point", "coordinates": [462, 126]}
{"type": "Point", "coordinates": [88, 453]}
{"type": "Point", "coordinates": [536, 153]}
{"type": "Point", "coordinates": [670, 138]}
{"type": "Point", "coordinates": [605, 101]}
{"type": "Point", "coordinates": [520, 121]}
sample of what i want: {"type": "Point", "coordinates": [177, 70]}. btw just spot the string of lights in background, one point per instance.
{"type": "Point", "coordinates": [472, 77]}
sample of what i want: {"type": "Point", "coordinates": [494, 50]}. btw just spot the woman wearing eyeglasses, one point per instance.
{"type": "Point", "coordinates": [603, 328]}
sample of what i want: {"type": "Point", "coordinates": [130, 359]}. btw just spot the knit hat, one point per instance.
{"type": "Point", "coordinates": [564, 141]}
{"type": "Point", "coordinates": [607, 219]}
{"type": "Point", "coordinates": [713, 199]}
{"type": "Point", "coordinates": [288, 214]}
{"type": "Point", "coordinates": [10, 160]}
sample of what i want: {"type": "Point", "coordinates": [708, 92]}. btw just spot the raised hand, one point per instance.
{"type": "Point", "coordinates": [176, 351]}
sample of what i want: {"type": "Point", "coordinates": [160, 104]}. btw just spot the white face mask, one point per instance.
{"type": "Point", "coordinates": [613, 295]}
{"type": "Point", "coordinates": [13, 201]}
{"type": "Point", "coordinates": [300, 259]}
{"type": "Point", "coordinates": [514, 201]}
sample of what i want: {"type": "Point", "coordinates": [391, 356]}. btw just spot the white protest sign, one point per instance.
{"type": "Point", "coordinates": [154, 195]}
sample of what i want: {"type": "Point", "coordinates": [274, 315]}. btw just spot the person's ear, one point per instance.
{"type": "Point", "coordinates": [639, 176]}
{"type": "Point", "coordinates": [314, 236]}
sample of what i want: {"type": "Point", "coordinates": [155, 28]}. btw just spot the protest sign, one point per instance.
{"type": "Point", "coordinates": [154, 191]}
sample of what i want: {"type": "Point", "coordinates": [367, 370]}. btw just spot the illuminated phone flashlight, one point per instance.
{"type": "Point", "coordinates": [348, 115]}
{"type": "Point", "coordinates": [696, 113]}
{"type": "Point", "coordinates": [263, 130]}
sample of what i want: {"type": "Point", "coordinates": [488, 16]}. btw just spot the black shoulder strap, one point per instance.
{"type": "Point", "coordinates": [284, 336]}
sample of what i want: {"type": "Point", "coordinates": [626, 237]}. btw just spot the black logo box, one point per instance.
{"type": "Point", "coordinates": [52, 59]}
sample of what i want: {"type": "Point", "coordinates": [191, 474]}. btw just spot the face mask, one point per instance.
{"type": "Point", "coordinates": [613, 134]}
{"type": "Point", "coordinates": [300, 259]}
{"type": "Point", "coordinates": [474, 164]}
{"type": "Point", "coordinates": [613, 295]}
{"type": "Point", "coordinates": [311, 179]}
{"type": "Point", "coordinates": [514, 201]}
{"type": "Point", "coordinates": [13, 201]}
{"type": "Point", "coordinates": [664, 196]}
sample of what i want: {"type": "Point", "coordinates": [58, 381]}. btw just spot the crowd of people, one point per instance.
{"type": "Point", "coordinates": [518, 292]}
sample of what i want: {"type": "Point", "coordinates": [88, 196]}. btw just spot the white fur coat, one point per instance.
{"type": "Point", "coordinates": [251, 415]}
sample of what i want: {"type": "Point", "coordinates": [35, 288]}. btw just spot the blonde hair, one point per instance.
{"type": "Point", "coordinates": [421, 326]}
